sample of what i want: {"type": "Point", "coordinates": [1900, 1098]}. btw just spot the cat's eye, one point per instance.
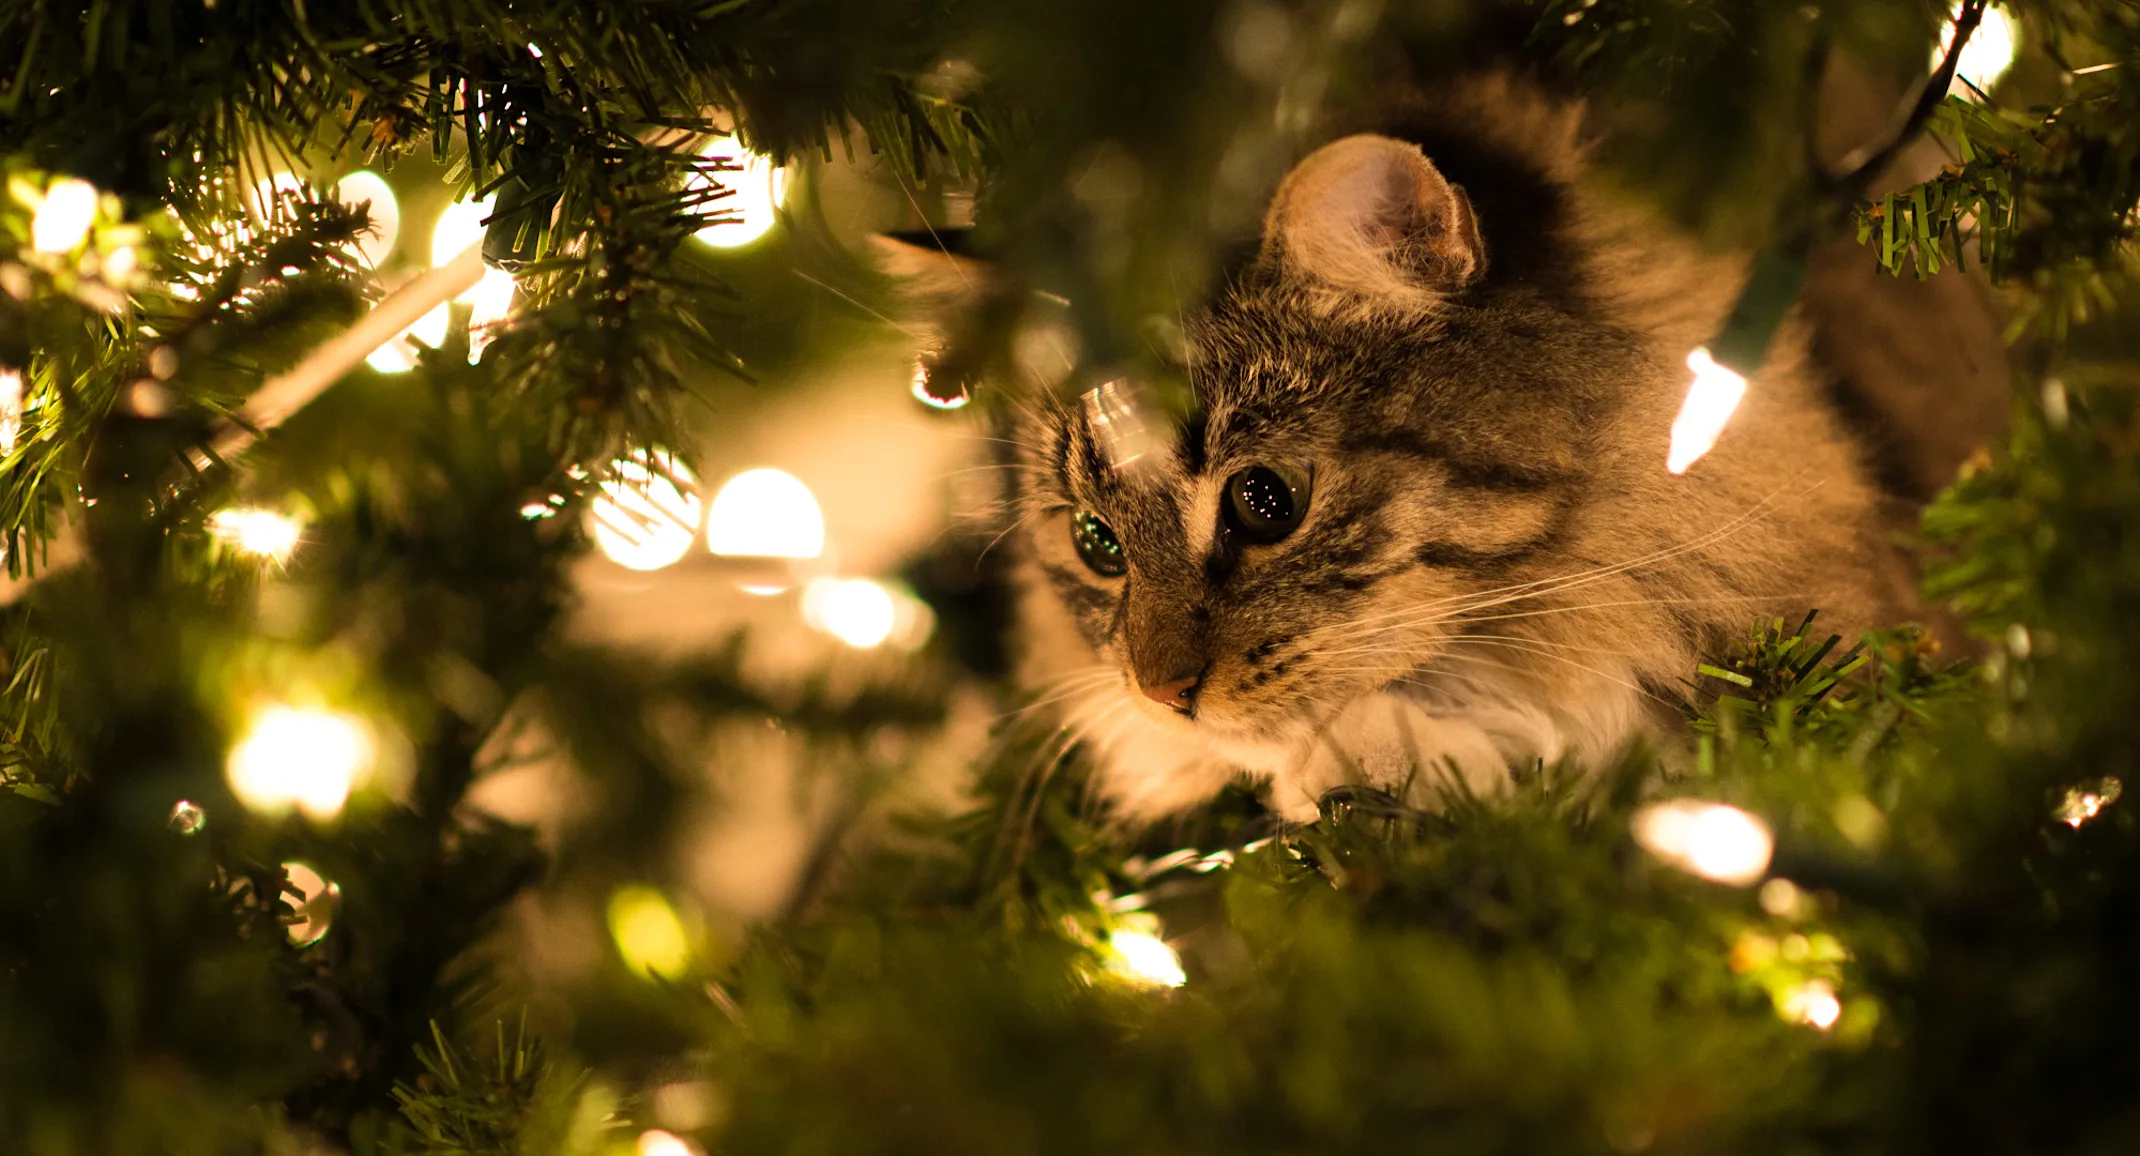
{"type": "Point", "coordinates": [1097, 545]}
{"type": "Point", "coordinates": [1265, 503]}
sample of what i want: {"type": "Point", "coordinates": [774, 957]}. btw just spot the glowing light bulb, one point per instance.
{"type": "Point", "coordinates": [363, 186]}
{"type": "Point", "coordinates": [646, 515]}
{"type": "Point", "coordinates": [1716, 842]}
{"type": "Point", "coordinates": [302, 758]}
{"type": "Point", "coordinates": [655, 1142]}
{"type": "Point", "coordinates": [765, 513]}
{"type": "Point", "coordinates": [188, 817]}
{"type": "Point", "coordinates": [1987, 56]}
{"type": "Point", "coordinates": [398, 355]}
{"type": "Point", "coordinates": [493, 301]}
{"type": "Point", "coordinates": [257, 531]}
{"type": "Point", "coordinates": [648, 934]}
{"type": "Point", "coordinates": [1711, 400]}
{"type": "Point", "coordinates": [266, 197]}
{"type": "Point", "coordinates": [460, 226]}
{"type": "Point", "coordinates": [2084, 802]}
{"type": "Point", "coordinates": [856, 611]}
{"type": "Point", "coordinates": [317, 898]}
{"type": "Point", "coordinates": [1146, 958]}
{"type": "Point", "coordinates": [755, 195]}
{"type": "Point", "coordinates": [64, 216]}
{"type": "Point", "coordinates": [1812, 1003]}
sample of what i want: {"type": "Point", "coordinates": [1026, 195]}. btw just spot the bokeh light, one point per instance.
{"type": "Point", "coordinates": [755, 195]}
{"type": "Point", "coordinates": [316, 901]}
{"type": "Point", "coordinates": [1813, 1003]}
{"type": "Point", "coordinates": [492, 299]}
{"type": "Point", "coordinates": [865, 614]}
{"type": "Point", "coordinates": [460, 226]}
{"type": "Point", "coordinates": [1146, 958]}
{"type": "Point", "coordinates": [1711, 399]}
{"type": "Point", "coordinates": [1716, 842]}
{"type": "Point", "coordinates": [1987, 56]}
{"type": "Point", "coordinates": [365, 186]}
{"type": "Point", "coordinates": [64, 216]}
{"type": "Point", "coordinates": [765, 513]}
{"type": "Point", "coordinates": [188, 817]}
{"type": "Point", "coordinates": [299, 757]}
{"type": "Point", "coordinates": [648, 933]}
{"type": "Point", "coordinates": [398, 355]}
{"type": "Point", "coordinates": [646, 515]}
{"type": "Point", "coordinates": [655, 1142]}
{"type": "Point", "coordinates": [256, 531]}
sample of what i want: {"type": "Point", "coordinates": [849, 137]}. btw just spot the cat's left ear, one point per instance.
{"type": "Point", "coordinates": [1372, 218]}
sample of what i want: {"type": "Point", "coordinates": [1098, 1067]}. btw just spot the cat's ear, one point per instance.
{"type": "Point", "coordinates": [1372, 219]}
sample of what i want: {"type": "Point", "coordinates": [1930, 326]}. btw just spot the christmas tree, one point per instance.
{"type": "Point", "coordinates": [354, 786]}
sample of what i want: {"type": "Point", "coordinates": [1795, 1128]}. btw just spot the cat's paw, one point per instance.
{"type": "Point", "coordinates": [1391, 743]}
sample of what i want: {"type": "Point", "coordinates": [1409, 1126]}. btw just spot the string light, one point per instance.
{"type": "Point", "coordinates": [256, 531]}
{"type": "Point", "coordinates": [1716, 842]}
{"type": "Point", "coordinates": [655, 1142]}
{"type": "Point", "coordinates": [646, 515]}
{"type": "Point", "coordinates": [866, 614]}
{"type": "Point", "coordinates": [64, 216]}
{"type": "Point", "coordinates": [364, 186]}
{"type": "Point", "coordinates": [765, 513]}
{"type": "Point", "coordinates": [398, 356]}
{"type": "Point", "coordinates": [756, 193]}
{"type": "Point", "coordinates": [1987, 56]}
{"type": "Point", "coordinates": [302, 758]}
{"type": "Point", "coordinates": [459, 226]}
{"type": "Point", "coordinates": [648, 934]}
{"type": "Point", "coordinates": [1146, 958]}
{"type": "Point", "coordinates": [317, 898]}
{"type": "Point", "coordinates": [1812, 1003]}
{"type": "Point", "coordinates": [1711, 400]}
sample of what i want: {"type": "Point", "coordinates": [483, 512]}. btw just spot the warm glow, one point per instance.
{"type": "Point", "coordinates": [188, 817]}
{"type": "Point", "coordinates": [1711, 840]}
{"type": "Point", "coordinates": [493, 300]}
{"type": "Point", "coordinates": [302, 758]}
{"type": "Point", "coordinates": [1710, 402]}
{"type": "Point", "coordinates": [363, 186]}
{"type": "Point", "coordinates": [253, 530]}
{"type": "Point", "coordinates": [1987, 56]}
{"type": "Point", "coordinates": [655, 1142]}
{"type": "Point", "coordinates": [2085, 802]}
{"type": "Point", "coordinates": [10, 409]}
{"type": "Point", "coordinates": [645, 517]}
{"type": "Point", "coordinates": [1813, 1003]}
{"type": "Point", "coordinates": [755, 195]}
{"type": "Point", "coordinates": [460, 226]}
{"type": "Point", "coordinates": [64, 217]}
{"type": "Point", "coordinates": [317, 896]}
{"type": "Point", "coordinates": [765, 513]}
{"type": "Point", "coordinates": [856, 611]}
{"type": "Point", "coordinates": [649, 935]}
{"type": "Point", "coordinates": [1147, 958]}
{"type": "Point", "coordinates": [398, 355]}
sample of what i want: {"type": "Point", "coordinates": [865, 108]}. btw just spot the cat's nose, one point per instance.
{"type": "Point", "coordinates": [1178, 695]}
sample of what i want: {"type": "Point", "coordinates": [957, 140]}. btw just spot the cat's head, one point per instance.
{"type": "Point", "coordinates": [1384, 425]}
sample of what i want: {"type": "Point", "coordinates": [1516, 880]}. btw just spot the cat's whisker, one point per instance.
{"type": "Point", "coordinates": [1517, 645]}
{"type": "Point", "coordinates": [852, 300]}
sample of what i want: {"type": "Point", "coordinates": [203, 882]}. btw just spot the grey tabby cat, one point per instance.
{"type": "Point", "coordinates": [1420, 519]}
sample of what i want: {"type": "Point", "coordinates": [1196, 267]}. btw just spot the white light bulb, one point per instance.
{"type": "Point", "coordinates": [765, 513]}
{"type": "Point", "coordinates": [1813, 1003]}
{"type": "Point", "coordinates": [1711, 400]}
{"type": "Point", "coordinates": [655, 1142]}
{"type": "Point", "coordinates": [256, 531]}
{"type": "Point", "coordinates": [755, 195]}
{"type": "Point", "coordinates": [856, 611]}
{"type": "Point", "coordinates": [460, 226]}
{"type": "Point", "coordinates": [1716, 842]}
{"type": "Point", "coordinates": [1147, 958]}
{"type": "Point", "coordinates": [64, 216]}
{"type": "Point", "coordinates": [360, 187]}
{"type": "Point", "coordinates": [398, 356]}
{"type": "Point", "coordinates": [1987, 56]}
{"type": "Point", "coordinates": [302, 758]}
{"type": "Point", "coordinates": [645, 518]}
{"type": "Point", "coordinates": [493, 301]}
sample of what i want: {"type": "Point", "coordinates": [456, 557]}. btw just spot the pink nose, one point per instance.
{"type": "Point", "coordinates": [1177, 695]}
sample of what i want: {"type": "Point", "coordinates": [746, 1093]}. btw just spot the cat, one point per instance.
{"type": "Point", "coordinates": [1419, 522]}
